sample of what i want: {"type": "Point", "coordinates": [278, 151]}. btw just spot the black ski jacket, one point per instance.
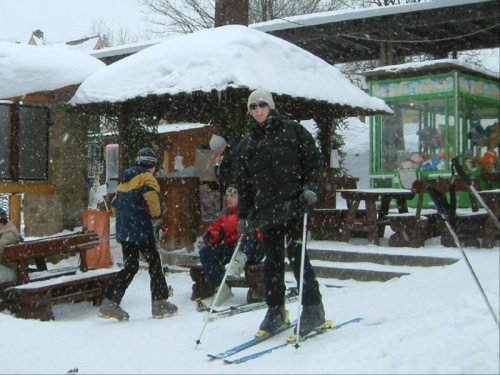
{"type": "Point", "coordinates": [277, 161]}
{"type": "Point", "coordinates": [226, 171]}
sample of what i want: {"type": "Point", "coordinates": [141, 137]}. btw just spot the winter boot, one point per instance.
{"type": "Point", "coordinates": [312, 317]}
{"type": "Point", "coordinates": [275, 318]}
{"type": "Point", "coordinates": [162, 308]}
{"type": "Point", "coordinates": [201, 306]}
{"type": "Point", "coordinates": [110, 309]}
{"type": "Point", "coordinates": [225, 294]}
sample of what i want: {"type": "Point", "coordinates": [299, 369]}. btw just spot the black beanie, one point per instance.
{"type": "Point", "coordinates": [146, 158]}
{"type": "Point", "coordinates": [3, 216]}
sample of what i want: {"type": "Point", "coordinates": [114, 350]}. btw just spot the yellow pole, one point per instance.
{"type": "Point", "coordinates": [15, 210]}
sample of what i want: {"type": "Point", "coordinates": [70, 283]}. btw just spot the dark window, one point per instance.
{"type": "Point", "coordinates": [24, 142]}
{"type": "Point", "coordinates": [5, 142]}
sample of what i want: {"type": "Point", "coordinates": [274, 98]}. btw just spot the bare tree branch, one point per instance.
{"type": "Point", "coordinates": [185, 16]}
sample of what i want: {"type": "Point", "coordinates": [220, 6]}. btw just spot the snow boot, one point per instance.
{"type": "Point", "coordinates": [201, 306]}
{"type": "Point", "coordinates": [275, 318]}
{"type": "Point", "coordinates": [312, 317]}
{"type": "Point", "coordinates": [225, 294]}
{"type": "Point", "coordinates": [162, 308]}
{"type": "Point", "coordinates": [110, 309]}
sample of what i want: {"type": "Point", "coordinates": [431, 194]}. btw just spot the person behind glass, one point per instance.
{"type": "Point", "coordinates": [137, 208]}
{"type": "Point", "coordinates": [279, 176]}
{"type": "Point", "coordinates": [8, 235]}
{"type": "Point", "coordinates": [220, 241]}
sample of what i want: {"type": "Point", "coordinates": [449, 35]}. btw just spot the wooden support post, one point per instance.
{"type": "Point", "coordinates": [15, 210]}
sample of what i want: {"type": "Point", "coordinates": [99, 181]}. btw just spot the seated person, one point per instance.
{"type": "Point", "coordinates": [8, 235]}
{"type": "Point", "coordinates": [491, 140]}
{"type": "Point", "coordinates": [220, 241]}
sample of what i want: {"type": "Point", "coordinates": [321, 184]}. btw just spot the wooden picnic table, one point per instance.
{"type": "Point", "coordinates": [374, 222]}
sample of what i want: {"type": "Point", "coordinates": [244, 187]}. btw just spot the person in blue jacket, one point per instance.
{"type": "Point", "coordinates": [137, 208]}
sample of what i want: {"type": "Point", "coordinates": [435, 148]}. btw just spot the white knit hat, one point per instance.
{"type": "Point", "coordinates": [216, 141]}
{"type": "Point", "coordinates": [260, 96]}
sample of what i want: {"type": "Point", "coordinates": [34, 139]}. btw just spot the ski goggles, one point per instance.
{"type": "Point", "coordinates": [254, 106]}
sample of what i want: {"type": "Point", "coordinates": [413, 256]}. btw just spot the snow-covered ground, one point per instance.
{"type": "Point", "coordinates": [434, 321]}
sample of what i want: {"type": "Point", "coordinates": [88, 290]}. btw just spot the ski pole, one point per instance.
{"type": "Point", "coordinates": [467, 180]}
{"type": "Point", "coordinates": [438, 200]}
{"type": "Point", "coordinates": [301, 277]}
{"type": "Point", "coordinates": [214, 302]}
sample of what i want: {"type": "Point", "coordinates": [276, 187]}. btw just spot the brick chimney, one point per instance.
{"type": "Point", "coordinates": [38, 33]}
{"type": "Point", "coordinates": [231, 12]}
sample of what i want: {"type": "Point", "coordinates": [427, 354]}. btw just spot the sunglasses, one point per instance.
{"type": "Point", "coordinates": [254, 106]}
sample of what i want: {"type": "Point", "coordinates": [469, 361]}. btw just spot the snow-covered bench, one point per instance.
{"type": "Point", "coordinates": [37, 290]}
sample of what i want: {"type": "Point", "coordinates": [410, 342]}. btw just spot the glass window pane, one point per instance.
{"type": "Point", "coordinates": [5, 142]}
{"type": "Point", "coordinates": [34, 143]}
{"type": "Point", "coordinates": [418, 131]}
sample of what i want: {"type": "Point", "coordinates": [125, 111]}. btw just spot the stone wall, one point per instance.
{"type": "Point", "coordinates": [45, 215]}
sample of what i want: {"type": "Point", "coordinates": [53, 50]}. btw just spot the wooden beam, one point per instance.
{"type": "Point", "coordinates": [44, 97]}
{"type": "Point", "coordinates": [15, 210]}
{"type": "Point", "coordinates": [33, 187]}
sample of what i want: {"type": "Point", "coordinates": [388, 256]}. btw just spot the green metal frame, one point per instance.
{"type": "Point", "coordinates": [460, 92]}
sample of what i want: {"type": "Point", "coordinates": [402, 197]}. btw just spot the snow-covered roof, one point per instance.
{"type": "Point", "coordinates": [38, 41]}
{"type": "Point", "coordinates": [229, 56]}
{"type": "Point", "coordinates": [432, 65]}
{"type": "Point", "coordinates": [167, 128]}
{"type": "Point", "coordinates": [26, 69]}
{"type": "Point", "coordinates": [86, 45]}
{"type": "Point", "coordinates": [125, 49]}
{"type": "Point", "coordinates": [354, 14]}
{"type": "Point", "coordinates": [178, 127]}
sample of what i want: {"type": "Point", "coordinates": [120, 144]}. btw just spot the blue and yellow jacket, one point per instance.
{"type": "Point", "coordinates": [136, 202]}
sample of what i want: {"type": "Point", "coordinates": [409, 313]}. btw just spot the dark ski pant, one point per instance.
{"type": "Point", "coordinates": [131, 250]}
{"type": "Point", "coordinates": [274, 264]}
{"type": "Point", "coordinates": [214, 258]}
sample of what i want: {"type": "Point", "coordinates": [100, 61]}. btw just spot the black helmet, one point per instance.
{"type": "Point", "coordinates": [146, 158]}
{"type": "Point", "coordinates": [3, 216]}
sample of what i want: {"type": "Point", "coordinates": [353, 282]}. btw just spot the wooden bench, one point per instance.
{"type": "Point", "coordinates": [412, 229]}
{"type": "Point", "coordinates": [327, 224]}
{"type": "Point", "coordinates": [328, 220]}
{"type": "Point", "coordinates": [253, 280]}
{"type": "Point", "coordinates": [469, 223]}
{"type": "Point", "coordinates": [37, 290]}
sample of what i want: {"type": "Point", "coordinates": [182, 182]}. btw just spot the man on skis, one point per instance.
{"type": "Point", "coordinates": [279, 173]}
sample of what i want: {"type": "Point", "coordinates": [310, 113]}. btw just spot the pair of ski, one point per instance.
{"type": "Point", "coordinates": [291, 296]}
{"type": "Point", "coordinates": [290, 341]}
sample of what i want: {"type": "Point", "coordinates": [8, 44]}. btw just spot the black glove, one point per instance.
{"type": "Point", "coordinates": [221, 236]}
{"type": "Point", "coordinates": [246, 229]}
{"type": "Point", "coordinates": [207, 238]}
{"type": "Point", "coordinates": [309, 197]}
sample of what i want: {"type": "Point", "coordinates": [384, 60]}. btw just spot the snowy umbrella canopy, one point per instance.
{"type": "Point", "coordinates": [26, 69]}
{"type": "Point", "coordinates": [231, 56]}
